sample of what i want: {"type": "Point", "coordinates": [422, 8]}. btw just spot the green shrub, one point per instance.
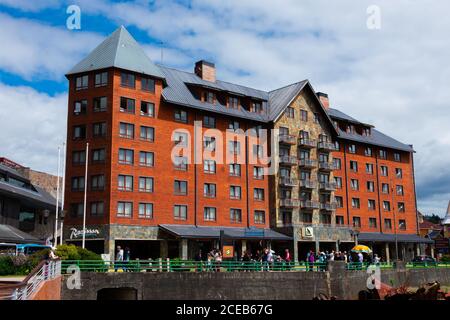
{"type": "Point", "coordinates": [446, 258]}
{"type": "Point", "coordinates": [6, 266]}
{"type": "Point", "coordinates": [67, 252]}
{"type": "Point", "coordinates": [86, 254]}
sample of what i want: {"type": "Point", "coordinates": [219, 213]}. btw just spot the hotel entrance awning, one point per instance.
{"type": "Point", "coordinates": [389, 237]}
{"type": "Point", "coordinates": [9, 234]}
{"type": "Point", "coordinates": [193, 232]}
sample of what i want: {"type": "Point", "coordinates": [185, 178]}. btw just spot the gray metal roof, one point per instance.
{"type": "Point", "coordinates": [389, 237]}
{"type": "Point", "coordinates": [280, 98]}
{"type": "Point", "coordinates": [9, 234]}
{"type": "Point", "coordinates": [119, 50]}
{"type": "Point", "coordinates": [177, 92]}
{"type": "Point", "coordinates": [377, 138]}
{"type": "Point", "coordinates": [190, 231]}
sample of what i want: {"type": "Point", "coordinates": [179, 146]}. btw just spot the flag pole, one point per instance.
{"type": "Point", "coordinates": [85, 194]}
{"type": "Point", "coordinates": [55, 236]}
{"type": "Point", "coordinates": [63, 190]}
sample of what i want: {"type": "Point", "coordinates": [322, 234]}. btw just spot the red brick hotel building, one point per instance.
{"type": "Point", "coordinates": [336, 181]}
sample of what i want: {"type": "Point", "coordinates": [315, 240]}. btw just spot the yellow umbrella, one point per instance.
{"type": "Point", "coordinates": [361, 248]}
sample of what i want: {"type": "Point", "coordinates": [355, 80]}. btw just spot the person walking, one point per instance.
{"type": "Point", "coordinates": [119, 258]}
{"type": "Point", "coordinates": [311, 259]}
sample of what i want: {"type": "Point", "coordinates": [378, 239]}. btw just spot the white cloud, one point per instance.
{"type": "Point", "coordinates": [31, 6]}
{"type": "Point", "coordinates": [35, 50]}
{"type": "Point", "coordinates": [33, 125]}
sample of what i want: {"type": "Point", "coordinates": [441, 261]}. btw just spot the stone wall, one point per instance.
{"type": "Point", "coordinates": [249, 285]}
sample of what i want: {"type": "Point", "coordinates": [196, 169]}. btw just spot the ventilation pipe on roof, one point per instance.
{"type": "Point", "coordinates": [323, 97]}
{"type": "Point", "coordinates": [205, 70]}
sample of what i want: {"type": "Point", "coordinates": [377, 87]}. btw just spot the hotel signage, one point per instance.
{"type": "Point", "coordinates": [90, 233]}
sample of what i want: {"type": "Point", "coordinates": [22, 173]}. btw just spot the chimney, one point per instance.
{"type": "Point", "coordinates": [205, 70]}
{"type": "Point", "coordinates": [323, 97]}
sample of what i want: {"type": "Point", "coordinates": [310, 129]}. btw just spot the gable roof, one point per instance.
{"type": "Point", "coordinates": [119, 50]}
{"type": "Point", "coordinates": [376, 138]}
{"type": "Point", "coordinates": [446, 220]}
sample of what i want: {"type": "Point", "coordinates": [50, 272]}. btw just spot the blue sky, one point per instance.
{"type": "Point", "coordinates": [395, 77]}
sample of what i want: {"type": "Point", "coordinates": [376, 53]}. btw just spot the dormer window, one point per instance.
{"type": "Point", "coordinates": [233, 102]}
{"type": "Point", "coordinates": [209, 97]}
{"type": "Point", "coordinates": [366, 132]}
{"type": "Point", "coordinates": [350, 129]}
{"type": "Point", "coordinates": [257, 107]}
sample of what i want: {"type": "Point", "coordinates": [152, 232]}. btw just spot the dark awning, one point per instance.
{"type": "Point", "coordinates": [9, 234]}
{"type": "Point", "coordinates": [193, 232]}
{"type": "Point", "coordinates": [388, 237]}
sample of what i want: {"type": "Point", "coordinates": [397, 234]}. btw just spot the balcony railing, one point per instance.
{"type": "Point", "coordinates": [327, 166]}
{"type": "Point", "coordinates": [329, 186]}
{"type": "Point", "coordinates": [307, 163]}
{"type": "Point", "coordinates": [289, 203]}
{"type": "Point", "coordinates": [309, 204]}
{"type": "Point", "coordinates": [328, 206]}
{"type": "Point", "coordinates": [307, 184]}
{"type": "Point", "coordinates": [326, 146]}
{"type": "Point", "coordinates": [287, 139]}
{"type": "Point", "coordinates": [307, 143]}
{"type": "Point", "coordinates": [288, 182]}
{"type": "Point", "coordinates": [288, 160]}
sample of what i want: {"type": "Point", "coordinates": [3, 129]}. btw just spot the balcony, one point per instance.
{"type": "Point", "coordinates": [328, 206]}
{"type": "Point", "coordinates": [287, 139]}
{"type": "Point", "coordinates": [307, 143]}
{"type": "Point", "coordinates": [307, 184]}
{"type": "Point", "coordinates": [327, 166]}
{"type": "Point", "coordinates": [326, 146]}
{"type": "Point", "coordinates": [327, 186]}
{"type": "Point", "coordinates": [288, 160]}
{"type": "Point", "coordinates": [289, 203]}
{"type": "Point", "coordinates": [288, 182]}
{"type": "Point", "coordinates": [307, 163]}
{"type": "Point", "coordinates": [309, 204]}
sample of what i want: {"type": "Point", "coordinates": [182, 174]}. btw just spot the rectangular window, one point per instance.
{"type": "Point", "coordinates": [397, 157]}
{"type": "Point", "coordinates": [384, 171]}
{"type": "Point", "coordinates": [385, 188]}
{"type": "Point", "coordinates": [290, 112]}
{"type": "Point", "coordinates": [147, 84]}
{"type": "Point", "coordinates": [354, 184]}
{"type": "Point", "coordinates": [339, 201]}
{"type": "Point", "coordinates": [235, 192]}
{"type": "Point", "coordinates": [388, 224]}
{"type": "Point", "coordinates": [233, 125]}
{"type": "Point", "coordinates": [369, 168]}
{"type": "Point", "coordinates": [304, 115]}
{"type": "Point", "coordinates": [99, 129]}
{"type": "Point", "coordinates": [79, 132]}
{"type": "Point", "coordinates": [383, 154]}
{"type": "Point", "coordinates": [127, 80]}
{"type": "Point", "coordinates": [355, 203]}
{"type": "Point", "coordinates": [124, 209]}
{"type": "Point", "coordinates": [257, 107]}
{"type": "Point", "coordinates": [100, 104]}
{"type": "Point", "coordinates": [180, 138]}
{"type": "Point", "coordinates": [98, 155]}
{"type": "Point", "coordinates": [80, 107]}
{"type": "Point", "coordinates": [126, 130]}
{"type": "Point", "coordinates": [180, 187]}
{"type": "Point", "coordinates": [372, 222]}
{"type": "Point", "coordinates": [235, 169]}
{"type": "Point", "coordinates": [386, 206]}
{"type": "Point", "coordinates": [402, 224]}
{"type": "Point", "coordinates": [180, 163]}
{"type": "Point", "coordinates": [368, 152]}
{"type": "Point", "coordinates": [145, 184]}
{"type": "Point", "coordinates": [127, 105]}
{"type": "Point", "coordinates": [399, 173]}
{"type": "Point", "coordinates": [337, 163]}
{"type": "Point", "coordinates": [357, 222]}
{"type": "Point", "coordinates": [258, 194]}
{"type": "Point", "coordinates": [76, 210]}
{"type": "Point", "coordinates": [78, 157]}
{"type": "Point", "coordinates": [77, 184]}
{"type": "Point", "coordinates": [354, 166]}
{"type": "Point", "coordinates": [370, 186]}
{"type": "Point", "coordinates": [235, 215]}
{"type": "Point", "coordinates": [97, 208]}
{"type": "Point", "coordinates": [81, 82]}
{"type": "Point", "coordinates": [352, 148]}
{"type": "Point", "coordinates": [305, 217]}
{"type": "Point", "coordinates": [401, 207]}
{"type": "Point", "coordinates": [234, 147]}
{"type": "Point", "coordinates": [126, 156]}
{"type": "Point", "coordinates": [147, 134]}
{"type": "Point", "coordinates": [147, 109]}
{"type": "Point", "coordinates": [146, 210]}
{"type": "Point", "coordinates": [209, 97]}
{"type": "Point", "coordinates": [209, 143]}
{"type": "Point", "coordinates": [339, 220]}
{"type": "Point", "coordinates": [258, 173]}
{"type": "Point", "coordinates": [209, 122]}
{"type": "Point", "coordinates": [146, 159]}
{"type": "Point", "coordinates": [400, 190]}
{"type": "Point", "coordinates": [180, 212]}
{"type": "Point", "coordinates": [371, 205]}
{"type": "Point", "coordinates": [209, 214]}
{"type": "Point", "coordinates": [101, 79]}
{"type": "Point", "coordinates": [98, 182]}
{"type": "Point", "coordinates": [209, 166]}
{"type": "Point", "coordinates": [180, 116]}
{"type": "Point", "coordinates": [125, 183]}
{"type": "Point", "coordinates": [209, 190]}
{"type": "Point", "coordinates": [233, 102]}
{"type": "Point", "coordinates": [260, 217]}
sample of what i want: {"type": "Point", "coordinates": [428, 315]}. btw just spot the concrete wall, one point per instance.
{"type": "Point", "coordinates": [248, 285]}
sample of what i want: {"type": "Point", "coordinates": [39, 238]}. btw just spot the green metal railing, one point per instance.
{"type": "Point", "coordinates": [365, 265]}
{"type": "Point", "coordinates": [418, 265]}
{"type": "Point", "coordinates": [167, 265]}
